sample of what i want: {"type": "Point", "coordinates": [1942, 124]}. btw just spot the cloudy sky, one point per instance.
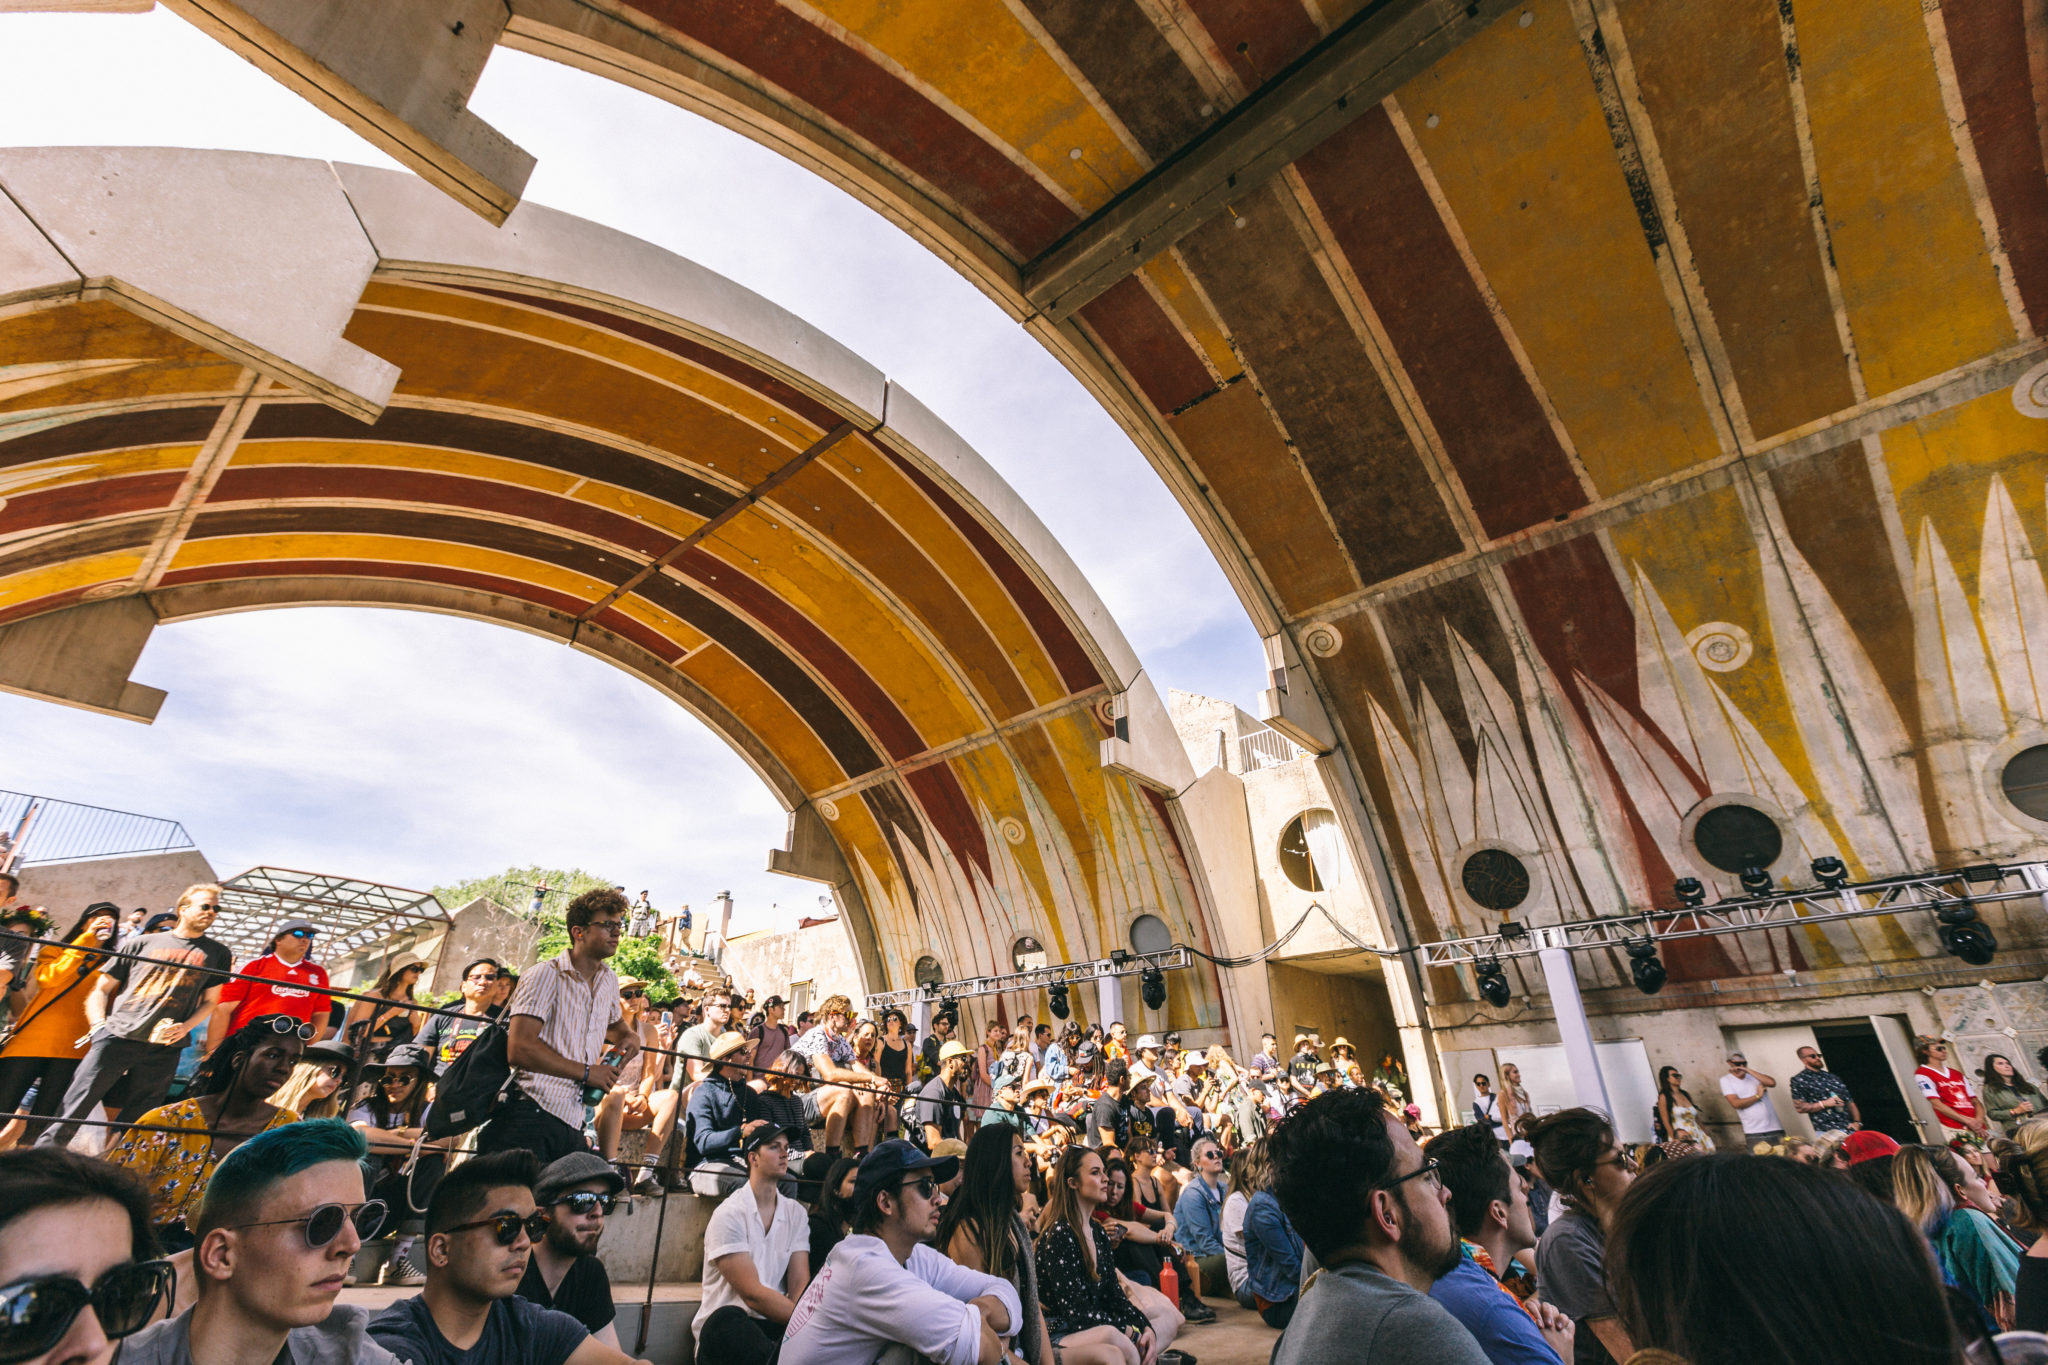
{"type": "Point", "coordinates": [419, 749]}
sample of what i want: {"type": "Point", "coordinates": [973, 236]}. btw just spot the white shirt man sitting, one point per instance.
{"type": "Point", "coordinates": [757, 1258]}
{"type": "Point", "coordinates": [885, 1296]}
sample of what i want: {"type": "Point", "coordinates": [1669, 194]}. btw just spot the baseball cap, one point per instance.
{"type": "Point", "coordinates": [1865, 1145]}
{"type": "Point", "coordinates": [405, 1054]}
{"type": "Point", "coordinates": [885, 1166]}
{"type": "Point", "coordinates": [1148, 1041]}
{"type": "Point", "coordinates": [772, 1001]}
{"type": "Point", "coordinates": [760, 1134]}
{"type": "Point", "coordinates": [285, 926]}
{"type": "Point", "coordinates": [577, 1168]}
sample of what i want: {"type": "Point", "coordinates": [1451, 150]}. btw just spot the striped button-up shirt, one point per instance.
{"type": "Point", "coordinates": [573, 1019]}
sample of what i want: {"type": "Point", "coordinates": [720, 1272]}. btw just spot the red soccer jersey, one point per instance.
{"type": "Point", "coordinates": [296, 992]}
{"type": "Point", "coordinates": [1953, 1089]}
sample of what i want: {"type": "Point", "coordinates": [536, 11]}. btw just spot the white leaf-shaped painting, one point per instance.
{"type": "Point", "coordinates": [2012, 602]}
{"type": "Point", "coordinates": [1959, 706]}
{"type": "Point", "coordinates": [1426, 853]}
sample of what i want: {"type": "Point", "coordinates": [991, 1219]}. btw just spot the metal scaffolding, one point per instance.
{"type": "Point", "coordinates": [350, 914]}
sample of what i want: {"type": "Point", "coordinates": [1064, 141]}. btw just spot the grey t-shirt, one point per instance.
{"type": "Point", "coordinates": [341, 1339]}
{"type": "Point", "coordinates": [168, 984]}
{"type": "Point", "coordinates": [1353, 1312]}
{"type": "Point", "coordinates": [1571, 1272]}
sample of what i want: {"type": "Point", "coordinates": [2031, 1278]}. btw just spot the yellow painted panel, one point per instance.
{"type": "Point", "coordinates": [978, 56]}
{"type": "Point", "coordinates": [1522, 153]}
{"type": "Point", "coordinates": [259, 549]}
{"type": "Point", "coordinates": [1941, 467]}
{"type": "Point", "coordinates": [68, 469]}
{"type": "Point", "coordinates": [766, 714]}
{"type": "Point", "coordinates": [1916, 276]}
{"type": "Point", "coordinates": [1206, 328]}
{"type": "Point", "coordinates": [52, 579]}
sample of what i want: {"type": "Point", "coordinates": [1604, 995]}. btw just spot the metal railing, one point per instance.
{"type": "Point", "coordinates": [42, 829]}
{"type": "Point", "coordinates": [1266, 748]}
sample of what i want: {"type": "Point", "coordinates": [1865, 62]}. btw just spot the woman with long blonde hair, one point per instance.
{"type": "Point", "coordinates": [314, 1091]}
{"type": "Point", "coordinates": [1944, 1197]}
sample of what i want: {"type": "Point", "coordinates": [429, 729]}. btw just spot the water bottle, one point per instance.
{"type": "Point", "coordinates": [594, 1094]}
{"type": "Point", "coordinates": [1169, 1283]}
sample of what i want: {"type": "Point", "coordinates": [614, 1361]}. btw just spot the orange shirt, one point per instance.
{"type": "Point", "coordinates": [55, 1020]}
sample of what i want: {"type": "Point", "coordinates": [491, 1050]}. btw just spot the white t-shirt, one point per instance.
{"type": "Point", "coordinates": [1759, 1117]}
{"type": "Point", "coordinates": [862, 1300]}
{"type": "Point", "coordinates": [734, 1226]}
{"type": "Point", "coordinates": [1235, 1206]}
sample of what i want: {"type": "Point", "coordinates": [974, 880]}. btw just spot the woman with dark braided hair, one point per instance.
{"type": "Point", "coordinates": [174, 1148]}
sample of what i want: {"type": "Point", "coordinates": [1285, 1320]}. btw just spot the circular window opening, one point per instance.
{"type": "Point", "coordinates": [1027, 953]}
{"type": "Point", "coordinates": [1149, 934]}
{"type": "Point", "coordinates": [1736, 838]}
{"type": "Point", "coordinates": [2025, 780]}
{"type": "Point", "coordinates": [928, 972]}
{"type": "Point", "coordinates": [1295, 858]}
{"type": "Point", "coordinates": [1495, 879]}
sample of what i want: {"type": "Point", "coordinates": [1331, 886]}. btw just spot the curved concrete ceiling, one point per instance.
{"type": "Point", "coordinates": [231, 381]}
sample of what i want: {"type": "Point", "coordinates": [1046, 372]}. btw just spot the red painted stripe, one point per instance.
{"type": "Point", "coordinates": [56, 601]}
{"type": "Point", "coordinates": [1258, 37]}
{"type": "Point", "coordinates": [1135, 329]}
{"type": "Point", "coordinates": [1988, 40]}
{"type": "Point", "coordinates": [938, 791]}
{"type": "Point", "coordinates": [90, 501]}
{"type": "Point", "coordinates": [1492, 426]}
{"type": "Point", "coordinates": [781, 49]}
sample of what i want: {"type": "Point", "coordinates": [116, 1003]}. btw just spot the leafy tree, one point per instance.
{"type": "Point", "coordinates": [513, 889]}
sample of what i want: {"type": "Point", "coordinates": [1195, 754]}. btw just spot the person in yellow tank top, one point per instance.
{"type": "Point", "coordinates": [47, 1042]}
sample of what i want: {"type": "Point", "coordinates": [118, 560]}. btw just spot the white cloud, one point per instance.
{"type": "Point", "coordinates": [417, 749]}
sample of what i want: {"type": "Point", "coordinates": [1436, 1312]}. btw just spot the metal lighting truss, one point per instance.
{"type": "Point", "coordinates": [1036, 979]}
{"type": "Point", "coordinates": [1925, 891]}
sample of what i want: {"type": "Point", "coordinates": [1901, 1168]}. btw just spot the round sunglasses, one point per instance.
{"type": "Point", "coordinates": [323, 1224]}
{"type": "Point", "coordinates": [508, 1226]}
{"type": "Point", "coordinates": [35, 1314]}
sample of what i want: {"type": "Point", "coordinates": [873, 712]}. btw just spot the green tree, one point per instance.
{"type": "Point", "coordinates": [513, 888]}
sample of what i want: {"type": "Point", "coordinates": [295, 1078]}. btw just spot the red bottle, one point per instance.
{"type": "Point", "coordinates": [1169, 1283]}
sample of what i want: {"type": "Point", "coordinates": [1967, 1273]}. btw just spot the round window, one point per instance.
{"type": "Point", "coordinates": [928, 972]}
{"type": "Point", "coordinates": [1149, 934]}
{"type": "Point", "coordinates": [1295, 858]}
{"type": "Point", "coordinates": [1027, 953]}
{"type": "Point", "coordinates": [1736, 837]}
{"type": "Point", "coordinates": [2025, 780]}
{"type": "Point", "coordinates": [1495, 879]}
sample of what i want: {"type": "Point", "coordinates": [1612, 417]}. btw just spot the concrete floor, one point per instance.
{"type": "Point", "coordinates": [1237, 1337]}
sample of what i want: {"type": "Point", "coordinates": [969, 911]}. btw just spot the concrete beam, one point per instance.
{"type": "Point", "coordinates": [399, 72]}
{"type": "Point", "coordinates": [82, 656]}
{"type": "Point", "coordinates": [1146, 748]}
{"type": "Point", "coordinates": [815, 856]}
{"type": "Point", "coordinates": [1366, 59]}
{"type": "Point", "coordinates": [1291, 705]}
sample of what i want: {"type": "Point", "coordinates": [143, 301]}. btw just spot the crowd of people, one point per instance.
{"type": "Point", "coordinates": [1049, 1194]}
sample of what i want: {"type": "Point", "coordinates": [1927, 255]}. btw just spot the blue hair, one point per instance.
{"type": "Point", "coordinates": [247, 1173]}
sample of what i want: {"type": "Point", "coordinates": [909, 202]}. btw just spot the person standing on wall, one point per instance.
{"type": "Point", "coordinates": [1823, 1097]}
{"type": "Point", "coordinates": [564, 1017]}
{"type": "Point", "coordinates": [298, 983]}
{"type": "Point", "coordinates": [140, 1011]}
{"type": "Point", "coordinates": [1750, 1093]}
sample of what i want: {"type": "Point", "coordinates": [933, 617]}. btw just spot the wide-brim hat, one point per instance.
{"type": "Point", "coordinates": [403, 1055]}
{"type": "Point", "coordinates": [954, 1048]}
{"type": "Point", "coordinates": [1036, 1086]}
{"type": "Point", "coordinates": [1140, 1074]}
{"type": "Point", "coordinates": [726, 1044]}
{"type": "Point", "coordinates": [328, 1051]}
{"type": "Point", "coordinates": [1344, 1043]}
{"type": "Point", "coordinates": [1865, 1145]}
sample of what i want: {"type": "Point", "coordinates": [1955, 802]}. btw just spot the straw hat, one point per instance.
{"type": "Point", "coordinates": [952, 1049]}
{"type": "Point", "coordinates": [726, 1044]}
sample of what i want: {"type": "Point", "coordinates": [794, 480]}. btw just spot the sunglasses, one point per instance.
{"type": "Point", "coordinates": [925, 1186]}
{"type": "Point", "coordinates": [323, 1224]}
{"type": "Point", "coordinates": [583, 1203]}
{"type": "Point", "coordinates": [508, 1226]}
{"type": "Point", "coordinates": [303, 933]}
{"type": "Point", "coordinates": [35, 1314]}
{"type": "Point", "coordinates": [284, 1023]}
{"type": "Point", "coordinates": [632, 993]}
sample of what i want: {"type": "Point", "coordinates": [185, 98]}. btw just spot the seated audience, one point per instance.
{"type": "Point", "coordinates": [1730, 1259]}
{"type": "Point", "coordinates": [2025, 1159]}
{"type": "Point", "coordinates": [480, 1230]}
{"type": "Point", "coordinates": [1272, 1255]}
{"type": "Point", "coordinates": [1088, 1313]}
{"type": "Point", "coordinates": [1943, 1197]}
{"type": "Point", "coordinates": [315, 1088]}
{"type": "Point", "coordinates": [883, 1286]}
{"type": "Point", "coordinates": [1490, 1211]}
{"type": "Point", "coordinates": [718, 1110]}
{"type": "Point", "coordinates": [1369, 1205]}
{"type": "Point", "coordinates": [640, 1098]}
{"type": "Point", "coordinates": [849, 1111]}
{"type": "Point", "coordinates": [576, 1192]}
{"type": "Point", "coordinates": [1199, 1214]}
{"type": "Point", "coordinates": [176, 1150]}
{"type": "Point", "coordinates": [982, 1229]}
{"type": "Point", "coordinates": [757, 1258]}
{"type": "Point", "coordinates": [774, 1098]}
{"type": "Point", "coordinates": [833, 1218]}
{"type": "Point", "coordinates": [78, 1274]}
{"type": "Point", "coordinates": [1248, 1171]}
{"type": "Point", "coordinates": [1578, 1157]}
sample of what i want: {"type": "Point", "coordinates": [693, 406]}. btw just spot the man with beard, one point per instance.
{"type": "Point", "coordinates": [1491, 1212]}
{"type": "Point", "coordinates": [1362, 1197]}
{"type": "Point", "coordinates": [576, 1191]}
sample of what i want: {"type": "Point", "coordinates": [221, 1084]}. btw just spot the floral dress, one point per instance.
{"type": "Point", "coordinates": [1073, 1300]}
{"type": "Point", "coordinates": [177, 1166]}
{"type": "Point", "coordinates": [1685, 1124]}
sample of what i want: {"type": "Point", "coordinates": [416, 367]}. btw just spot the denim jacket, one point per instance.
{"type": "Point", "coordinates": [1272, 1250]}
{"type": "Point", "coordinates": [1199, 1213]}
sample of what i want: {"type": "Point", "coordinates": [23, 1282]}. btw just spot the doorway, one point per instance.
{"type": "Point", "coordinates": [1854, 1053]}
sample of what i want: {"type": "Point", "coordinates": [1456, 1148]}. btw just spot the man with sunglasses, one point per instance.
{"type": "Point", "coordinates": [449, 1034]}
{"type": "Point", "coordinates": [141, 1008]}
{"type": "Point", "coordinates": [76, 1276]}
{"type": "Point", "coordinates": [481, 1227]}
{"type": "Point", "coordinates": [883, 1285]}
{"type": "Point", "coordinates": [298, 991]}
{"type": "Point", "coordinates": [1371, 1208]}
{"type": "Point", "coordinates": [283, 1217]}
{"type": "Point", "coordinates": [575, 1193]}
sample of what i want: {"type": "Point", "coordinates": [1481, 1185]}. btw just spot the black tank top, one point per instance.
{"type": "Point", "coordinates": [895, 1063]}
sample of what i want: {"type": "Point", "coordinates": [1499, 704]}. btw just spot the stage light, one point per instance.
{"type": "Point", "coordinates": [1830, 873]}
{"type": "Point", "coordinates": [1152, 988]}
{"type": "Point", "coordinates": [1119, 956]}
{"type": "Point", "coordinates": [1689, 891]}
{"type": "Point", "coordinates": [1645, 966]}
{"type": "Point", "coordinates": [1757, 882]}
{"type": "Point", "coordinates": [1493, 982]}
{"type": "Point", "coordinates": [1964, 935]}
{"type": "Point", "coordinates": [950, 1007]}
{"type": "Point", "coordinates": [1512, 929]}
{"type": "Point", "coordinates": [1056, 999]}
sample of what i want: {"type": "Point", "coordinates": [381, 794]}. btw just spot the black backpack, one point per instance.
{"type": "Point", "coordinates": [472, 1087]}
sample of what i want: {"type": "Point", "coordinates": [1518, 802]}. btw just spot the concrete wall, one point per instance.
{"type": "Point", "coordinates": [768, 962]}
{"type": "Point", "coordinates": [483, 928]}
{"type": "Point", "coordinates": [152, 879]}
{"type": "Point", "coordinates": [1339, 1006]}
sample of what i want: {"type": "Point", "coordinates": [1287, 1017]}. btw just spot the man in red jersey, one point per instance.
{"type": "Point", "coordinates": [294, 986]}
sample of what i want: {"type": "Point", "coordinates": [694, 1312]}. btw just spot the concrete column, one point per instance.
{"type": "Point", "coordinates": [1109, 1001]}
{"type": "Point", "coordinates": [921, 1018]}
{"type": "Point", "coordinates": [1589, 1087]}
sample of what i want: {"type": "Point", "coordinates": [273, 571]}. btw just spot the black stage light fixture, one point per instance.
{"type": "Point", "coordinates": [950, 1008]}
{"type": "Point", "coordinates": [1689, 891]}
{"type": "Point", "coordinates": [1152, 988]}
{"type": "Point", "coordinates": [1645, 966]}
{"type": "Point", "coordinates": [1757, 882]}
{"type": "Point", "coordinates": [1512, 929]}
{"type": "Point", "coordinates": [1119, 956]}
{"type": "Point", "coordinates": [1830, 873]}
{"type": "Point", "coordinates": [1964, 935]}
{"type": "Point", "coordinates": [1983, 874]}
{"type": "Point", "coordinates": [1493, 982]}
{"type": "Point", "coordinates": [1056, 999]}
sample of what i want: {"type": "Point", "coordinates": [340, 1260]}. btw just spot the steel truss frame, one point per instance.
{"type": "Point", "coordinates": [1035, 979]}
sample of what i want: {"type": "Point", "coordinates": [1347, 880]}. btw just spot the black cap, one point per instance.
{"type": "Point", "coordinates": [328, 1050]}
{"type": "Point", "coordinates": [891, 1161]}
{"type": "Point", "coordinates": [761, 1136]}
{"type": "Point", "coordinates": [405, 1054]}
